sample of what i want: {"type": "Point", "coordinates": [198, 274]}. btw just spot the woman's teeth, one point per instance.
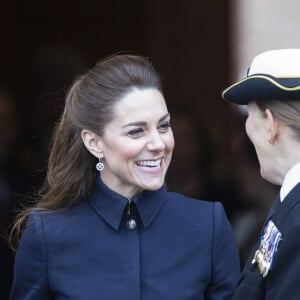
{"type": "Point", "coordinates": [149, 163]}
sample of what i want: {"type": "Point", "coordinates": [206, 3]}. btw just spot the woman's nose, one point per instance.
{"type": "Point", "coordinates": [156, 142]}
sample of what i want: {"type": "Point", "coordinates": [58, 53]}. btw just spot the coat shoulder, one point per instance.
{"type": "Point", "coordinates": [182, 201]}
{"type": "Point", "coordinates": [58, 220]}
{"type": "Point", "coordinates": [198, 211]}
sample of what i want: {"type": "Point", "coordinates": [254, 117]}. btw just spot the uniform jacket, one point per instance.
{"type": "Point", "coordinates": [180, 248]}
{"type": "Point", "coordinates": [283, 279]}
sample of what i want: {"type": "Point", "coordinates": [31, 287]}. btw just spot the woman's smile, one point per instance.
{"type": "Point", "coordinates": [151, 166]}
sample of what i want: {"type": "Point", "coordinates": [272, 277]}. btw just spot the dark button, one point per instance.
{"type": "Point", "coordinates": [131, 224]}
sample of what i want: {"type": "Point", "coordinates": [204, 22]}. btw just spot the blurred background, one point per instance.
{"type": "Point", "coordinates": [199, 47]}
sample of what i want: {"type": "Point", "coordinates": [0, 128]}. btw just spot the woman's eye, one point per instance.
{"type": "Point", "coordinates": [164, 127]}
{"type": "Point", "coordinates": [136, 132]}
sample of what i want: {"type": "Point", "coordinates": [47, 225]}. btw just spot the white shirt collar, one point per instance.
{"type": "Point", "coordinates": [291, 179]}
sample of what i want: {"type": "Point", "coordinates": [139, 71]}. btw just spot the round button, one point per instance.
{"type": "Point", "coordinates": [131, 224]}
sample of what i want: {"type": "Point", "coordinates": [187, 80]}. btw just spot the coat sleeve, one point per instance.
{"type": "Point", "coordinates": [225, 261]}
{"type": "Point", "coordinates": [30, 269]}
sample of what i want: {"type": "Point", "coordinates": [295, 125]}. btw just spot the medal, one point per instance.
{"type": "Point", "coordinates": [269, 242]}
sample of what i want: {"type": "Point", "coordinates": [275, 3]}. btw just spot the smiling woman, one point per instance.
{"type": "Point", "coordinates": [114, 231]}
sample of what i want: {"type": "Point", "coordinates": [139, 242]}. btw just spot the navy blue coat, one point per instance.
{"type": "Point", "coordinates": [181, 248]}
{"type": "Point", "coordinates": [282, 281]}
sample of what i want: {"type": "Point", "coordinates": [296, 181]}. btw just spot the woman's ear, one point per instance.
{"type": "Point", "coordinates": [92, 142]}
{"type": "Point", "coordinates": [273, 126]}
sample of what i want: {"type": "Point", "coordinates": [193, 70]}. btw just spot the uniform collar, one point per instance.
{"type": "Point", "coordinates": [291, 179]}
{"type": "Point", "coordinates": [111, 205]}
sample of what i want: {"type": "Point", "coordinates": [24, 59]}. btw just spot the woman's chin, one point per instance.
{"type": "Point", "coordinates": [152, 185]}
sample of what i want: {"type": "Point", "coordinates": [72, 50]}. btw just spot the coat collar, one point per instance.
{"type": "Point", "coordinates": [111, 205]}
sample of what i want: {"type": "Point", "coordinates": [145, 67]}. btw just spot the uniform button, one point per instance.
{"type": "Point", "coordinates": [131, 224]}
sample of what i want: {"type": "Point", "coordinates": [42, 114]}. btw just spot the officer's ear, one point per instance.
{"type": "Point", "coordinates": [273, 126]}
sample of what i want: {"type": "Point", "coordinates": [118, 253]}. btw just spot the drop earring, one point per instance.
{"type": "Point", "coordinates": [100, 166]}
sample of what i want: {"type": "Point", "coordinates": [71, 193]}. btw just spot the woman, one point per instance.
{"type": "Point", "coordinates": [114, 232]}
{"type": "Point", "coordinates": [272, 93]}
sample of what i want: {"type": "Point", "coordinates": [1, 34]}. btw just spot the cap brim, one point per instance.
{"type": "Point", "coordinates": [262, 87]}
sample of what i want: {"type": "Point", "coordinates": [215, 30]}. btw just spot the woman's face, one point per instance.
{"type": "Point", "coordinates": [257, 128]}
{"type": "Point", "coordinates": [137, 144]}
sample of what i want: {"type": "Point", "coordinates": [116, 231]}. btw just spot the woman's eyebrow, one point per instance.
{"type": "Point", "coordinates": [164, 117]}
{"type": "Point", "coordinates": [137, 123]}
{"type": "Point", "coordinates": [142, 123]}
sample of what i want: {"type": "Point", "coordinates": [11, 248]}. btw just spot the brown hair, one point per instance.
{"type": "Point", "coordinates": [287, 111]}
{"type": "Point", "coordinates": [89, 105]}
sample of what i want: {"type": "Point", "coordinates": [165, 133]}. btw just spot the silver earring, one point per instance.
{"type": "Point", "coordinates": [100, 166]}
